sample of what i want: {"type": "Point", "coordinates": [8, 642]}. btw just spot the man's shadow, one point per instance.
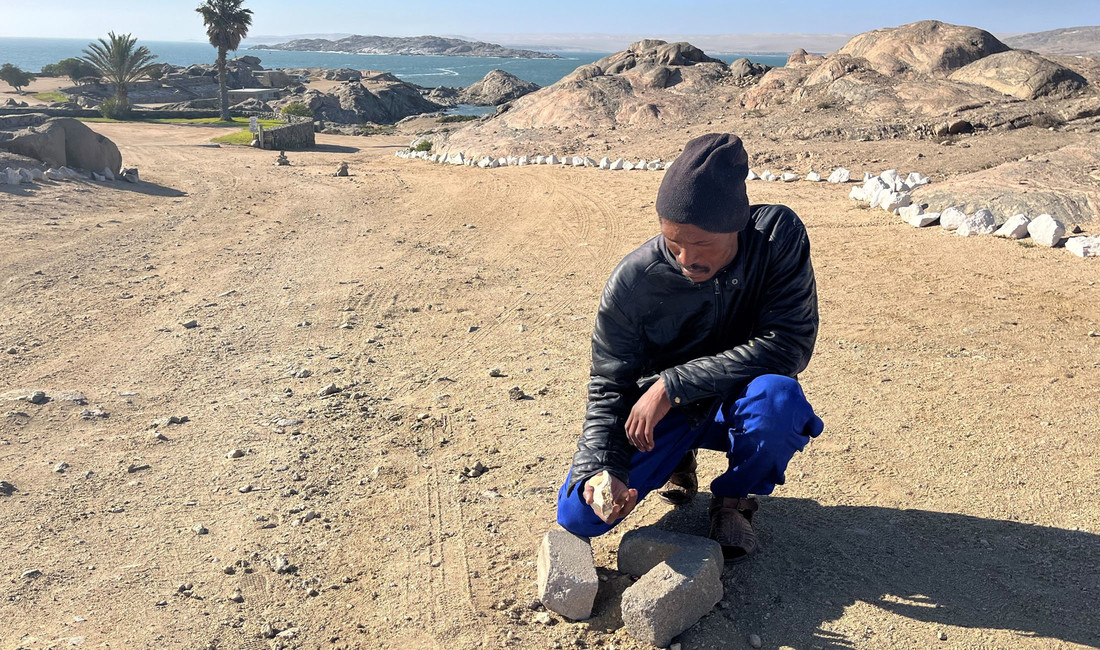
{"type": "Point", "coordinates": [814, 561]}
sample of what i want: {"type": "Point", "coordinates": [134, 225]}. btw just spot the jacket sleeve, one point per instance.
{"type": "Point", "coordinates": [617, 363]}
{"type": "Point", "coordinates": [782, 339]}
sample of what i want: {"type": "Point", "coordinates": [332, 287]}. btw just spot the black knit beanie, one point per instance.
{"type": "Point", "coordinates": [705, 186]}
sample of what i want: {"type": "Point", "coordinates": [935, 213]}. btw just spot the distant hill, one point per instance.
{"type": "Point", "coordinates": [412, 45]}
{"type": "Point", "coordinates": [1068, 41]}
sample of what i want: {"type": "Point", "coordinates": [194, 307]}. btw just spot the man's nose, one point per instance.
{"type": "Point", "coordinates": [686, 257]}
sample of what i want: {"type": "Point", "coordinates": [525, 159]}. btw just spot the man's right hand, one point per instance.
{"type": "Point", "coordinates": [624, 499]}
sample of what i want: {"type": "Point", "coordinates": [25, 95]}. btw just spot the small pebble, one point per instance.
{"type": "Point", "coordinates": [200, 529]}
{"type": "Point", "coordinates": [943, 636]}
{"type": "Point", "coordinates": [245, 489]}
{"type": "Point", "coordinates": [189, 324]}
{"type": "Point", "coordinates": [755, 641]}
{"type": "Point", "coordinates": [235, 453]}
{"type": "Point", "coordinates": [60, 467]}
{"type": "Point", "coordinates": [237, 597]}
{"type": "Point", "coordinates": [493, 372]}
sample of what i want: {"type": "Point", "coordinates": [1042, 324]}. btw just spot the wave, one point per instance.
{"type": "Point", "coordinates": [442, 72]}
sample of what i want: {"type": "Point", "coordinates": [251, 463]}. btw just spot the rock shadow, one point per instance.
{"type": "Point", "coordinates": [815, 561]}
{"type": "Point", "coordinates": [333, 148]}
{"type": "Point", "coordinates": [141, 187]}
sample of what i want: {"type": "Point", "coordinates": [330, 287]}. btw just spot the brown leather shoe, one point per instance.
{"type": "Point", "coordinates": [683, 484]}
{"type": "Point", "coordinates": [731, 526]}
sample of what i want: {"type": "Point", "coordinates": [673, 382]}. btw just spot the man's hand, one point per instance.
{"type": "Point", "coordinates": [624, 499]}
{"type": "Point", "coordinates": [647, 412]}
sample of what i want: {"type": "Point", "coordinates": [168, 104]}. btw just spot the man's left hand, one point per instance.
{"type": "Point", "coordinates": [646, 413]}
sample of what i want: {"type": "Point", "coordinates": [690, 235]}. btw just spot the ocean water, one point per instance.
{"type": "Point", "coordinates": [32, 53]}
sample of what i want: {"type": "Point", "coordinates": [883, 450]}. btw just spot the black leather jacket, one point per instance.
{"type": "Point", "coordinates": [756, 316]}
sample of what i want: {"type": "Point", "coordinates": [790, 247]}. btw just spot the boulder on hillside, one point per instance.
{"type": "Point", "coordinates": [1022, 74]}
{"type": "Point", "coordinates": [65, 142]}
{"type": "Point", "coordinates": [496, 88]}
{"type": "Point", "coordinates": [275, 79]}
{"type": "Point", "coordinates": [928, 47]}
{"type": "Point", "coordinates": [252, 62]}
{"type": "Point", "coordinates": [802, 57]}
{"type": "Point", "coordinates": [443, 95]}
{"type": "Point", "coordinates": [237, 73]}
{"type": "Point", "coordinates": [744, 68]}
{"type": "Point", "coordinates": [353, 103]}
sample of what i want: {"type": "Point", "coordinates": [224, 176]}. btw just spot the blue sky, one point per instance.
{"type": "Point", "coordinates": [171, 20]}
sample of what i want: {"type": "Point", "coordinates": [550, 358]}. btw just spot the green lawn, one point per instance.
{"type": "Point", "coordinates": [51, 97]}
{"type": "Point", "coordinates": [240, 137]}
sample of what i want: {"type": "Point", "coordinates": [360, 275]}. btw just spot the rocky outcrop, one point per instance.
{"type": "Point", "coordinates": [649, 84]}
{"type": "Point", "coordinates": [443, 95]}
{"type": "Point", "coordinates": [67, 142]}
{"type": "Point", "coordinates": [929, 70]}
{"type": "Point", "coordinates": [426, 45]}
{"type": "Point", "coordinates": [496, 88]}
{"type": "Point", "coordinates": [928, 47]}
{"type": "Point", "coordinates": [1021, 74]}
{"type": "Point", "coordinates": [353, 103]}
{"type": "Point", "coordinates": [1058, 183]}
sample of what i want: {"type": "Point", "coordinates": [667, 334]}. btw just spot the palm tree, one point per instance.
{"type": "Point", "coordinates": [226, 24]}
{"type": "Point", "coordinates": [120, 63]}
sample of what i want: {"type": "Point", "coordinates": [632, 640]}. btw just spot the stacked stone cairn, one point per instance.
{"type": "Point", "coordinates": [891, 193]}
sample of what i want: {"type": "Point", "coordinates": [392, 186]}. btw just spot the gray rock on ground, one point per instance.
{"type": "Point", "coordinates": [644, 548]}
{"type": "Point", "coordinates": [567, 580]}
{"type": "Point", "coordinates": [676, 592]}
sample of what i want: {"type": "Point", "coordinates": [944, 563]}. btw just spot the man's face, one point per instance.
{"type": "Point", "coordinates": [700, 253]}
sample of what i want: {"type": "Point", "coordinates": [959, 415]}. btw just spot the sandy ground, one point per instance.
{"type": "Point", "coordinates": [39, 85]}
{"type": "Point", "coordinates": [952, 501]}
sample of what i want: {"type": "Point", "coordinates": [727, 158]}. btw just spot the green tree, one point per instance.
{"type": "Point", "coordinates": [120, 63]}
{"type": "Point", "coordinates": [15, 77]}
{"type": "Point", "coordinates": [227, 22]}
{"type": "Point", "coordinates": [77, 69]}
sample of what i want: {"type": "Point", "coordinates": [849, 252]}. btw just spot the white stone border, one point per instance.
{"type": "Point", "coordinates": [490, 162]}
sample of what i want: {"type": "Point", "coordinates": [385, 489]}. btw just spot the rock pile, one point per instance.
{"type": "Point", "coordinates": [891, 193]}
{"type": "Point", "coordinates": [679, 580]}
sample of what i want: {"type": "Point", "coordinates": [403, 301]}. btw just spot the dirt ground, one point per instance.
{"type": "Point", "coordinates": [952, 501]}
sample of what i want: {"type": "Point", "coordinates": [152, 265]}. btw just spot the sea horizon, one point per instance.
{"type": "Point", "coordinates": [30, 54]}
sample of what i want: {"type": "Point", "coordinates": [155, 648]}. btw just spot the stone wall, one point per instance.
{"type": "Point", "coordinates": [291, 136]}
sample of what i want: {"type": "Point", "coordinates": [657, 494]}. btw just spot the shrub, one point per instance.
{"type": "Point", "coordinates": [15, 77]}
{"type": "Point", "coordinates": [423, 145]}
{"type": "Point", "coordinates": [111, 110]}
{"type": "Point", "coordinates": [447, 119]}
{"type": "Point", "coordinates": [297, 109]}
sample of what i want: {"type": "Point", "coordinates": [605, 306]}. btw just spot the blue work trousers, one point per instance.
{"type": "Point", "coordinates": [759, 433]}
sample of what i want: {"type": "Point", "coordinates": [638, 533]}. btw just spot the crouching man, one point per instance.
{"type": "Point", "coordinates": [699, 336]}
